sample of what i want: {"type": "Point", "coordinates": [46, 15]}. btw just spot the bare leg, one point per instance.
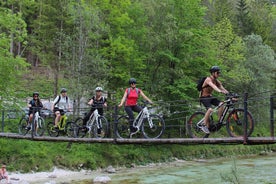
{"type": "Point", "coordinates": [57, 118]}
{"type": "Point", "coordinates": [220, 110]}
{"type": "Point", "coordinates": [206, 117]}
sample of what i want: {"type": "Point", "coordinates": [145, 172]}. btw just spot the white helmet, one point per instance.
{"type": "Point", "coordinates": [99, 89]}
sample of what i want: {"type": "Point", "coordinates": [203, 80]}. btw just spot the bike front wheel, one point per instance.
{"type": "Point", "coordinates": [102, 129]}
{"type": "Point", "coordinates": [153, 127]}
{"type": "Point", "coordinates": [193, 129]}
{"type": "Point", "coordinates": [122, 127]}
{"type": "Point", "coordinates": [40, 127]}
{"type": "Point", "coordinates": [71, 129]}
{"type": "Point", "coordinates": [22, 126]}
{"type": "Point", "coordinates": [235, 123]}
{"type": "Point", "coordinates": [52, 130]}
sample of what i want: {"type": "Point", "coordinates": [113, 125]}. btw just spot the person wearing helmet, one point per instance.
{"type": "Point", "coordinates": [61, 104]}
{"type": "Point", "coordinates": [34, 105]}
{"type": "Point", "coordinates": [130, 98]}
{"type": "Point", "coordinates": [211, 84]}
{"type": "Point", "coordinates": [98, 101]}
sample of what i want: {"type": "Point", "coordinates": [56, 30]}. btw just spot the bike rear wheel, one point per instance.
{"type": "Point", "coordinates": [122, 127]}
{"type": "Point", "coordinates": [156, 129]}
{"type": "Point", "coordinates": [71, 129]}
{"type": "Point", "coordinates": [52, 130]}
{"type": "Point", "coordinates": [235, 123]}
{"type": "Point", "coordinates": [40, 127]}
{"type": "Point", "coordinates": [193, 130]}
{"type": "Point", "coordinates": [22, 126]}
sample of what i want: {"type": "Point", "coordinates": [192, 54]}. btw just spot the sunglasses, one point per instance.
{"type": "Point", "coordinates": [35, 96]}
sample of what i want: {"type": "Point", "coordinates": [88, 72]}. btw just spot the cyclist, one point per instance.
{"type": "Point", "coordinates": [130, 98]}
{"type": "Point", "coordinates": [96, 102]}
{"type": "Point", "coordinates": [35, 102]}
{"type": "Point", "coordinates": [210, 84]}
{"type": "Point", "coordinates": [60, 104]}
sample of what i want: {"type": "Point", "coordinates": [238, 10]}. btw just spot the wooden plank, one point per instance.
{"type": "Point", "coordinates": [186, 141]}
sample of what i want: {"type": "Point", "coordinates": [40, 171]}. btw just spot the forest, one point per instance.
{"type": "Point", "coordinates": [167, 45]}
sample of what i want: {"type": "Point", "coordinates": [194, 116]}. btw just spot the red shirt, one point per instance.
{"type": "Point", "coordinates": [132, 97]}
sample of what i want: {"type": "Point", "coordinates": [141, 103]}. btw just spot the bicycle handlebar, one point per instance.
{"type": "Point", "coordinates": [232, 95]}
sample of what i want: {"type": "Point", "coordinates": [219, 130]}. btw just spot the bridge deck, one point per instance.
{"type": "Point", "coordinates": [224, 140]}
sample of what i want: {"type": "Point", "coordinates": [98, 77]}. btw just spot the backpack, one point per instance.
{"type": "Point", "coordinates": [59, 100]}
{"type": "Point", "coordinates": [200, 83]}
{"type": "Point", "coordinates": [137, 91]}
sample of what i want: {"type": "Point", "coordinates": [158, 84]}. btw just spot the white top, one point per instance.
{"type": "Point", "coordinates": [62, 102]}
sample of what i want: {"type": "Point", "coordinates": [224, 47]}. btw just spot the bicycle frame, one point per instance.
{"type": "Point", "coordinates": [144, 113]}
{"type": "Point", "coordinates": [62, 122]}
{"type": "Point", "coordinates": [93, 118]}
{"type": "Point", "coordinates": [224, 112]}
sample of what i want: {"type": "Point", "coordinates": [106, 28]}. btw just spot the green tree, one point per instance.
{"type": "Point", "coordinates": [12, 27]}
{"type": "Point", "coordinates": [244, 22]}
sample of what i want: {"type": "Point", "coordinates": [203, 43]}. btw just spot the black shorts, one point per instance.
{"type": "Point", "coordinates": [208, 101]}
{"type": "Point", "coordinates": [60, 110]}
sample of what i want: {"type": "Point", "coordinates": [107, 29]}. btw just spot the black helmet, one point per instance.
{"type": "Point", "coordinates": [132, 80]}
{"type": "Point", "coordinates": [63, 90]}
{"type": "Point", "coordinates": [35, 93]}
{"type": "Point", "coordinates": [214, 69]}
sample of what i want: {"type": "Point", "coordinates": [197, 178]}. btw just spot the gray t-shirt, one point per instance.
{"type": "Point", "coordinates": [63, 102]}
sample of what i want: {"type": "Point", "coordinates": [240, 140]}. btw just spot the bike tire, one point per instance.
{"type": "Point", "coordinates": [103, 131]}
{"type": "Point", "coordinates": [156, 130]}
{"type": "Point", "coordinates": [52, 131]}
{"type": "Point", "coordinates": [22, 126]}
{"type": "Point", "coordinates": [235, 123]}
{"type": "Point", "coordinates": [40, 127]}
{"type": "Point", "coordinates": [81, 131]}
{"type": "Point", "coordinates": [192, 129]}
{"type": "Point", "coordinates": [122, 127]}
{"type": "Point", "coordinates": [71, 129]}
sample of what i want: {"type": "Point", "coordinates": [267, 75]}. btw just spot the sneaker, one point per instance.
{"type": "Point", "coordinates": [205, 129]}
{"type": "Point", "coordinates": [28, 127]}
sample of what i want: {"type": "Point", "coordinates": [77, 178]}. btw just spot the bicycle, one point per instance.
{"type": "Point", "coordinates": [63, 127]}
{"type": "Point", "coordinates": [151, 125]}
{"type": "Point", "coordinates": [97, 126]}
{"type": "Point", "coordinates": [37, 126]}
{"type": "Point", "coordinates": [234, 122]}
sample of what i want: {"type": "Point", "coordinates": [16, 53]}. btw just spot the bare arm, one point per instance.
{"type": "Point", "coordinates": [145, 97]}
{"type": "Point", "coordinates": [220, 90]}
{"type": "Point", "coordinates": [123, 99]}
{"type": "Point", "coordinates": [90, 101]}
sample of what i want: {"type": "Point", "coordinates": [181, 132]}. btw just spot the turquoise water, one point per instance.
{"type": "Point", "coordinates": [259, 170]}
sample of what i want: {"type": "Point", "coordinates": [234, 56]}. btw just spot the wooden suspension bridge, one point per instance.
{"type": "Point", "coordinates": [184, 141]}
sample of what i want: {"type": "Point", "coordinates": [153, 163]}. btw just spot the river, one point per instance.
{"type": "Point", "coordinates": [261, 169]}
{"type": "Point", "coordinates": [254, 169]}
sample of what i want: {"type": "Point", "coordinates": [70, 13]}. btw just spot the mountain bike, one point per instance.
{"type": "Point", "coordinates": [234, 122]}
{"type": "Point", "coordinates": [63, 127]}
{"type": "Point", "coordinates": [97, 126]}
{"type": "Point", "coordinates": [151, 125]}
{"type": "Point", "coordinates": [37, 126]}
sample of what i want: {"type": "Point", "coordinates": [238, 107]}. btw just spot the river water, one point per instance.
{"type": "Point", "coordinates": [256, 170]}
{"type": "Point", "coordinates": [239, 170]}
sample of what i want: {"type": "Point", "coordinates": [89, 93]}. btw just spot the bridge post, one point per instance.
{"type": "Point", "coordinates": [272, 106]}
{"type": "Point", "coordinates": [245, 138]}
{"type": "Point", "coordinates": [115, 122]}
{"type": "Point", "coordinates": [3, 118]}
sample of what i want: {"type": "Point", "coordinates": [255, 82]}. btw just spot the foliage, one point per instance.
{"type": "Point", "coordinates": [11, 66]}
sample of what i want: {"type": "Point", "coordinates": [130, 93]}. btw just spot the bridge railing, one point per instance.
{"type": "Point", "coordinates": [175, 113]}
